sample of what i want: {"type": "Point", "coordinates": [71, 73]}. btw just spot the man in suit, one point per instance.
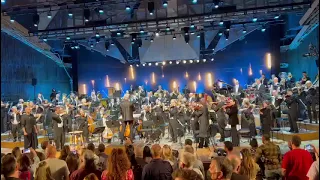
{"type": "Point", "coordinates": [260, 92]}
{"type": "Point", "coordinates": [293, 112]}
{"type": "Point", "coordinates": [237, 90]}
{"type": "Point", "coordinates": [58, 123]}
{"type": "Point", "coordinates": [126, 110]}
{"type": "Point", "coordinates": [264, 80]}
{"type": "Point", "coordinates": [15, 123]}
{"type": "Point", "coordinates": [221, 119]}
{"type": "Point", "coordinates": [203, 115]}
{"type": "Point", "coordinates": [39, 99]}
{"type": "Point", "coordinates": [29, 127]}
{"type": "Point", "coordinates": [232, 110]}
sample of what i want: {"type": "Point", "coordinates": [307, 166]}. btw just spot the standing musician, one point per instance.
{"type": "Point", "coordinates": [30, 131]}
{"type": "Point", "coordinates": [40, 99]}
{"type": "Point", "coordinates": [237, 90]}
{"type": "Point", "coordinates": [290, 81]}
{"type": "Point", "coordinates": [126, 110]}
{"type": "Point", "coordinates": [15, 123]}
{"type": "Point", "coordinates": [260, 92]}
{"type": "Point", "coordinates": [82, 120]}
{"type": "Point", "coordinates": [276, 102]}
{"type": "Point", "coordinates": [146, 115]}
{"type": "Point", "coordinates": [21, 106]}
{"type": "Point", "coordinates": [264, 80]}
{"type": "Point", "coordinates": [231, 109]}
{"type": "Point", "coordinates": [157, 112]}
{"type": "Point", "coordinates": [293, 112]}
{"type": "Point", "coordinates": [247, 115]}
{"type": "Point", "coordinates": [221, 116]}
{"type": "Point", "coordinates": [53, 95]}
{"type": "Point", "coordinates": [311, 102]}
{"type": "Point", "coordinates": [174, 124]}
{"type": "Point", "coordinates": [203, 116]}
{"type": "Point", "coordinates": [275, 85]}
{"type": "Point", "coordinates": [265, 117]}
{"type": "Point", "coordinates": [58, 127]}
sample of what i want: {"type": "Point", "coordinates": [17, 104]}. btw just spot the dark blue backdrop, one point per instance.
{"type": "Point", "coordinates": [226, 66]}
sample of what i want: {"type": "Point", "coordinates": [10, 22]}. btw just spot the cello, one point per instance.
{"type": "Point", "coordinates": [91, 125]}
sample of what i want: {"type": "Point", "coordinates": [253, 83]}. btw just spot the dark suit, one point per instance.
{"type": "Point", "coordinates": [203, 115]}
{"type": "Point", "coordinates": [266, 120]}
{"type": "Point", "coordinates": [39, 101]}
{"type": "Point", "coordinates": [126, 110]}
{"type": "Point", "coordinates": [29, 123]}
{"type": "Point", "coordinates": [293, 112]}
{"type": "Point", "coordinates": [234, 121]}
{"type": "Point", "coordinates": [59, 135]}
{"type": "Point", "coordinates": [83, 126]}
{"type": "Point", "coordinates": [221, 119]}
{"type": "Point", "coordinates": [264, 82]}
{"type": "Point", "coordinates": [174, 124]}
{"type": "Point", "coordinates": [260, 93]}
{"type": "Point", "coordinates": [15, 127]}
{"type": "Point", "coordinates": [312, 100]}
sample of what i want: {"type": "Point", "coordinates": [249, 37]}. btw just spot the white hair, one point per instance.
{"type": "Point", "coordinates": [126, 96]}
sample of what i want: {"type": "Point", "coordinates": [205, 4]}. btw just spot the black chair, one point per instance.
{"type": "Point", "coordinates": [244, 131]}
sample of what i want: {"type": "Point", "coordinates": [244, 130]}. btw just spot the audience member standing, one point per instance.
{"type": "Point", "coordinates": [87, 166]}
{"type": "Point", "coordinates": [58, 167]}
{"type": "Point", "coordinates": [43, 172]}
{"type": "Point", "coordinates": [157, 169]}
{"type": "Point", "coordinates": [296, 163]}
{"type": "Point", "coordinates": [236, 164]}
{"type": "Point", "coordinates": [119, 167]}
{"type": "Point", "coordinates": [272, 157]}
{"type": "Point", "coordinates": [198, 163]}
{"type": "Point", "coordinates": [103, 158]}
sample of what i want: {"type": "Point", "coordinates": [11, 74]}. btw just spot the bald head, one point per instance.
{"type": "Point", "coordinates": [235, 161]}
{"type": "Point", "coordinates": [156, 151]}
{"type": "Point", "coordinates": [51, 151]}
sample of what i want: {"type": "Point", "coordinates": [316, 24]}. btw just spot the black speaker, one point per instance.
{"type": "Point", "coordinates": [34, 82]}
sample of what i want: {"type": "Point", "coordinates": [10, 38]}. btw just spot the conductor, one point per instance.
{"type": "Point", "coordinates": [126, 110]}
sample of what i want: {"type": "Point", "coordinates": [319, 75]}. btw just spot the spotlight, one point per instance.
{"type": "Point", "coordinates": [137, 65]}
{"type": "Point", "coordinates": [184, 61]}
{"type": "Point", "coordinates": [97, 35]}
{"type": "Point", "coordinates": [141, 31]}
{"type": "Point", "coordinates": [86, 14]}
{"type": "Point", "coordinates": [170, 62]}
{"type": "Point", "coordinates": [11, 20]}
{"type": "Point", "coordinates": [216, 3]}
{"type": "Point", "coordinates": [130, 65]}
{"type": "Point", "coordinates": [194, 1]}
{"type": "Point", "coordinates": [254, 19]}
{"type": "Point", "coordinates": [151, 40]}
{"type": "Point", "coordinates": [221, 23]}
{"type": "Point", "coordinates": [3, 1]}
{"type": "Point", "coordinates": [216, 6]}
{"type": "Point", "coordinates": [118, 33]}
{"type": "Point", "coordinates": [192, 25]}
{"type": "Point", "coordinates": [192, 33]}
{"type": "Point", "coordinates": [244, 31]}
{"type": "Point", "coordinates": [77, 47]}
{"type": "Point", "coordinates": [220, 34]}
{"type": "Point", "coordinates": [167, 28]}
{"type": "Point", "coordinates": [49, 15]}
{"type": "Point", "coordinates": [132, 42]}
{"type": "Point", "coordinates": [191, 61]}
{"type": "Point", "coordinates": [198, 36]}
{"type": "Point", "coordinates": [70, 14]}
{"type": "Point", "coordinates": [157, 34]}
{"type": "Point", "coordinates": [36, 20]}
{"type": "Point", "coordinates": [112, 43]}
{"type": "Point", "coordinates": [149, 64]}
{"type": "Point", "coordinates": [97, 40]}
{"type": "Point", "coordinates": [212, 59]}
{"type": "Point", "coordinates": [151, 7]}
{"type": "Point", "coordinates": [101, 11]}
{"type": "Point", "coordinates": [212, 49]}
{"type": "Point", "coordinates": [226, 34]}
{"type": "Point", "coordinates": [277, 17]}
{"type": "Point", "coordinates": [45, 39]}
{"type": "Point", "coordinates": [204, 60]}
{"type": "Point", "coordinates": [156, 64]}
{"type": "Point", "coordinates": [177, 62]}
{"type": "Point", "coordinates": [165, 3]}
{"type": "Point", "coordinates": [151, 13]}
{"type": "Point", "coordinates": [198, 61]}
{"type": "Point", "coordinates": [144, 64]}
{"type": "Point", "coordinates": [228, 25]}
{"type": "Point", "coordinates": [174, 37]}
{"type": "Point", "coordinates": [263, 29]}
{"type": "Point", "coordinates": [72, 47]}
{"type": "Point", "coordinates": [68, 38]}
{"type": "Point", "coordinates": [91, 45]}
{"type": "Point", "coordinates": [163, 63]}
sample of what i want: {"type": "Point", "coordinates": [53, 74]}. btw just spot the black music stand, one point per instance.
{"type": "Point", "coordinates": [147, 128]}
{"type": "Point", "coordinates": [112, 125]}
{"type": "Point", "coordinates": [99, 130]}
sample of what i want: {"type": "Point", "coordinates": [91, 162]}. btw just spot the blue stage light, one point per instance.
{"type": "Point", "coordinates": [165, 4]}
{"type": "Point", "coordinates": [12, 20]}
{"type": "Point", "coordinates": [128, 8]}
{"type": "Point", "coordinates": [132, 42]}
{"type": "Point", "coordinates": [68, 38]}
{"type": "Point", "coordinates": [192, 25]}
{"type": "Point", "coordinates": [244, 31]}
{"type": "Point", "coordinates": [101, 11]}
{"type": "Point", "coordinates": [97, 35]}
{"type": "Point", "coordinates": [119, 33]}
{"type": "Point", "coordinates": [70, 14]}
{"type": "Point", "coordinates": [263, 29]}
{"type": "Point", "coordinates": [3, 1]}
{"type": "Point", "coordinates": [45, 39]}
{"type": "Point", "coordinates": [141, 31]}
{"type": "Point", "coordinates": [220, 33]}
{"type": "Point", "coordinates": [194, 1]}
{"type": "Point", "coordinates": [255, 19]}
{"type": "Point", "coordinates": [277, 17]}
{"type": "Point", "coordinates": [198, 36]}
{"type": "Point", "coordinates": [221, 23]}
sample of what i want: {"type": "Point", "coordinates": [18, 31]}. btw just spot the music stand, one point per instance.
{"type": "Point", "coordinates": [147, 127]}
{"type": "Point", "coordinates": [99, 130]}
{"type": "Point", "coordinates": [112, 125]}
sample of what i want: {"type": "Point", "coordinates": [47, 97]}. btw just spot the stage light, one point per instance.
{"type": "Point", "coordinates": [192, 33]}
{"type": "Point", "coordinates": [3, 1]}
{"type": "Point", "coordinates": [165, 3]}
{"type": "Point", "coordinates": [192, 25]}
{"type": "Point", "coordinates": [184, 61]}
{"type": "Point", "coordinates": [141, 31]}
{"type": "Point", "coordinates": [221, 23]}
{"type": "Point", "coordinates": [216, 6]}
{"type": "Point", "coordinates": [144, 64]}
{"type": "Point", "coordinates": [77, 47]}
{"type": "Point", "coordinates": [212, 59]}
{"type": "Point", "coordinates": [97, 40]}
{"type": "Point", "coordinates": [269, 63]}
{"type": "Point", "coordinates": [36, 20]}
{"type": "Point", "coordinates": [163, 63]}
{"type": "Point", "coordinates": [260, 72]}
{"type": "Point", "coordinates": [177, 62]}
{"type": "Point", "coordinates": [130, 65]}
{"type": "Point", "coordinates": [131, 72]}
{"type": "Point", "coordinates": [157, 33]}
{"type": "Point", "coordinates": [137, 65]}
{"type": "Point", "coordinates": [198, 35]}
{"type": "Point", "coordinates": [254, 19]}
{"type": "Point", "coordinates": [11, 20]}
{"type": "Point", "coordinates": [106, 45]}
{"type": "Point", "coordinates": [128, 8]}
{"type": "Point", "coordinates": [204, 60]}
{"type": "Point", "coordinates": [132, 42]}
{"type": "Point", "coordinates": [174, 37]}
{"type": "Point", "coordinates": [199, 77]}
{"type": "Point", "coordinates": [194, 1]}
{"type": "Point", "coordinates": [209, 80]}
{"type": "Point", "coordinates": [91, 45]}
{"type": "Point", "coordinates": [72, 47]}
{"type": "Point", "coordinates": [156, 64]}
{"type": "Point", "coordinates": [263, 29]}
{"type": "Point", "coordinates": [220, 33]}
{"type": "Point", "coordinates": [187, 75]}
{"type": "Point", "coordinates": [97, 35]}
{"type": "Point", "coordinates": [151, 40]}
{"type": "Point", "coordinates": [118, 33]}
{"type": "Point", "coordinates": [101, 11]}
{"type": "Point", "coordinates": [212, 49]}
{"type": "Point", "coordinates": [277, 17]}
{"type": "Point", "coordinates": [68, 38]}
{"type": "Point", "coordinates": [151, 7]}
{"type": "Point", "coordinates": [226, 34]}
{"type": "Point", "coordinates": [150, 64]}
{"type": "Point", "coordinates": [84, 88]}
{"type": "Point", "coordinates": [49, 16]}
{"type": "Point", "coordinates": [70, 14]}
{"type": "Point", "coordinates": [250, 70]}
{"type": "Point", "coordinates": [228, 26]}
{"type": "Point", "coordinates": [112, 43]}
{"type": "Point", "coordinates": [117, 87]}
{"type": "Point", "coordinates": [191, 61]}
{"type": "Point", "coordinates": [167, 28]}
{"type": "Point", "coordinates": [244, 31]}
{"type": "Point", "coordinates": [153, 78]}
{"type": "Point", "coordinates": [198, 61]}
{"type": "Point", "coordinates": [195, 86]}
{"type": "Point", "coordinates": [107, 81]}
{"type": "Point", "coordinates": [170, 62]}
{"type": "Point", "coordinates": [174, 85]}
{"type": "Point", "coordinates": [45, 39]}
{"type": "Point", "coordinates": [86, 14]}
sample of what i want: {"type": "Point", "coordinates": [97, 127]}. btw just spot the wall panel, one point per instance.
{"type": "Point", "coordinates": [20, 63]}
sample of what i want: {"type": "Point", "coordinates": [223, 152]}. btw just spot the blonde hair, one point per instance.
{"type": "Point", "coordinates": [188, 159]}
{"type": "Point", "coordinates": [43, 172]}
{"type": "Point", "coordinates": [167, 153]}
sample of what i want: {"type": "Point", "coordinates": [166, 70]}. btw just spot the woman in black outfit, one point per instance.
{"type": "Point", "coordinates": [231, 108]}
{"type": "Point", "coordinates": [265, 116]}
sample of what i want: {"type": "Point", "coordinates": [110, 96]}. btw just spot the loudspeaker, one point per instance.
{"type": "Point", "coordinates": [34, 82]}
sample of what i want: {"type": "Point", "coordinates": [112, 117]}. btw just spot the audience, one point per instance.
{"type": "Point", "coordinates": [248, 165]}
{"type": "Point", "coordinates": [91, 176]}
{"type": "Point", "coordinates": [272, 157]}
{"type": "Point", "coordinates": [143, 156]}
{"type": "Point", "coordinates": [157, 169]}
{"type": "Point", "coordinates": [58, 167]}
{"type": "Point", "coordinates": [187, 161]}
{"type": "Point", "coordinates": [296, 163]}
{"type": "Point", "coordinates": [137, 170]}
{"type": "Point", "coordinates": [44, 145]}
{"type": "Point", "coordinates": [119, 167]}
{"type": "Point", "coordinates": [24, 164]}
{"type": "Point", "coordinates": [9, 167]}
{"type": "Point", "coordinates": [16, 152]}
{"type": "Point", "coordinates": [188, 142]}
{"type": "Point", "coordinates": [186, 174]}
{"type": "Point", "coordinates": [43, 172]}
{"type": "Point", "coordinates": [220, 168]}
{"type": "Point", "coordinates": [103, 158]}
{"type": "Point", "coordinates": [73, 162]}
{"type": "Point", "coordinates": [228, 147]}
{"type": "Point", "coordinates": [236, 164]}
{"type": "Point", "coordinates": [313, 172]}
{"type": "Point", "coordinates": [168, 156]}
{"type": "Point", "coordinates": [197, 164]}
{"type": "Point", "coordinates": [92, 148]}
{"type": "Point", "coordinates": [64, 152]}
{"type": "Point", "coordinates": [87, 166]}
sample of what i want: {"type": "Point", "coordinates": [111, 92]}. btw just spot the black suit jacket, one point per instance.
{"type": "Point", "coordinates": [233, 115]}
{"type": "Point", "coordinates": [28, 122]}
{"type": "Point", "coordinates": [239, 89]}
{"type": "Point", "coordinates": [56, 120]}
{"type": "Point", "coordinates": [265, 82]}
{"type": "Point", "coordinates": [12, 118]}
{"type": "Point", "coordinates": [126, 110]}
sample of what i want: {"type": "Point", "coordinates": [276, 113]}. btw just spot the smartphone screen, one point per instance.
{"type": "Point", "coordinates": [308, 147]}
{"type": "Point", "coordinates": [26, 150]}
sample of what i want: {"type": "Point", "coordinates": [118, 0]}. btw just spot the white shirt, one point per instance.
{"type": "Point", "coordinates": [144, 116]}
{"type": "Point", "coordinates": [237, 88]}
{"type": "Point", "coordinates": [15, 119]}
{"type": "Point", "coordinates": [60, 125]}
{"type": "Point", "coordinates": [313, 172]}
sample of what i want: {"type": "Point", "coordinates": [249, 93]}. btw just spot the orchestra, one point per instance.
{"type": "Point", "coordinates": [179, 113]}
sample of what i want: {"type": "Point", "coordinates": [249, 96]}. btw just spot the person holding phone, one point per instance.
{"type": "Point", "coordinates": [313, 173]}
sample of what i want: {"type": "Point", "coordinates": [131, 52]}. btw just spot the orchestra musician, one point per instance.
{"type": "Point", "coordinates": [265, 117]}
{"type": "Point", "coordinates": [174, 124]}
{"type": "Point", "coordinates": [304, 78]}
{"type": "Point", "coordinates": [82, 120]}
{"type": "Point", "coordinates": [203, 117]}
{"type": "Point", "coordinates": [290, 82]}
{"type": "Point", "coordinates": [275, 85]}
{"type": "Point", "coordinates": [15, 123]}
{"type": "Point", "coordinates": [264, 80]}
{"type": "Point", "coordinates": [58, 127]}
{"type": "Point", "coordinates": [53, 95]}
{"type": "Point", "coordinates": [293, 112]}
{"type": "Point", "coordinates": [247, 115]}
{"type": "Point", "coordinates": [237, 90]}
{"type": "Point", "coordinates": [231, 109]}
{"type": "Point", "coordinates": [39, 99]}
{"type": "Point", "coordinates": [126, 110]}
{"type": "Point", "coordinates": [260, 92]}
{"type": "Point", "coordinates": [29, 127]}
{"type": "Point", "coordinates": [311, 102]}
{"type": "Point", "coordinates": [221, 116]}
